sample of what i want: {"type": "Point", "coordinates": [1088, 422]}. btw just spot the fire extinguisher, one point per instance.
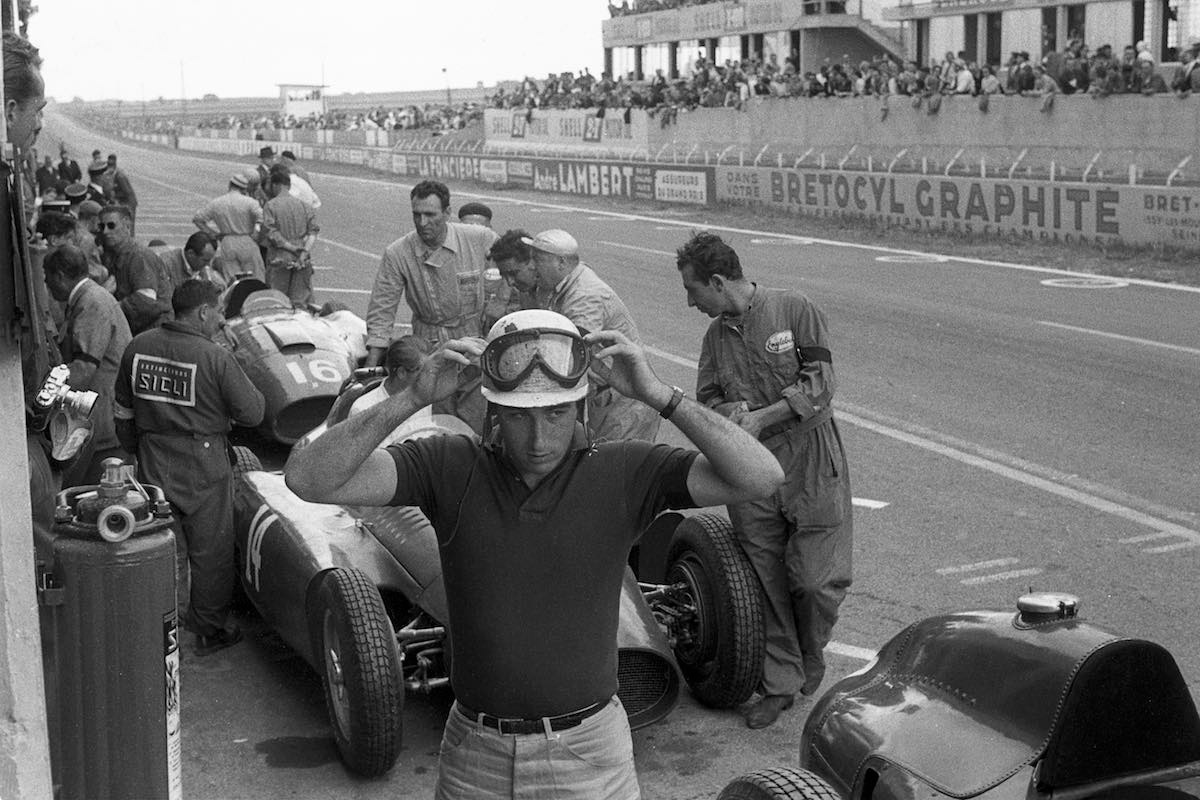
{"type": "Point", "coordinates": [110, 641]}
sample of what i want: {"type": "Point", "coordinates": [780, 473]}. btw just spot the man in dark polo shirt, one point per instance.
{"type": "Point", "coordinates": [143, 286]}
{"type": "Point", "coordinates": [534, 528]}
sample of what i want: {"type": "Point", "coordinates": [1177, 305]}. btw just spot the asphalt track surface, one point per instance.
{"type": "Point", "coordinates": [1007, 426]}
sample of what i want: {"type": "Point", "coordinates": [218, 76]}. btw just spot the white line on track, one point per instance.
{"type": "Point", "coordinates": [978, 565]}
{"type": "Point", "coordinates": [1133, 339]}
{"type": "Point", "coordinates": [863, 502]}
{"type": "Point", "coordinates": [1092, 495]}
{"type": "Point", "coordinates": [856, 415]}
{"type": "Point", "coordinates": [639, 249]}
{"type": "Point", "coordinates": [1001, 576]}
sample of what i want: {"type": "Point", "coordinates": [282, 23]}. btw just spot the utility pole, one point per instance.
{"type": "Point", "coordinates": [449, 102]}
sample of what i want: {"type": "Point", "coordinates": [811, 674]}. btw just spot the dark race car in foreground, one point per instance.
{"type": "Point", "coordinates": [358, 592]}
{"type": "Point", "coordinates": [297, 357]}
{"type": "Point", "coordinates": [995, 704]}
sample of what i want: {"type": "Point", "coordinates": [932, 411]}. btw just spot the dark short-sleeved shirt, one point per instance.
{"type": "Point", "coordinates": [136, 267]}
{"type": "Point", "coordinates": [533, 577]}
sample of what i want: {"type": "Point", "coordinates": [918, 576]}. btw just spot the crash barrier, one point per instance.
{"type": "Point", "coordinates": [1044, 206]}
{"type": "Point", "coordinates": [110, 642]}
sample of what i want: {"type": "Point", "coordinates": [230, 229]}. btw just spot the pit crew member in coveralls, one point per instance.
{"type": "Point", "coordinates": [766, 365]}
{"type": "Point", "coordinates": [94, 337]}
{"type": "Point", "coordinates": [573, 289]}
{"type": "Point", "coordinates": [534, 527]}
{"type": "Point", "coordinates": [177, 395]}
{"type": "Point", "coordinates": [438, 268]}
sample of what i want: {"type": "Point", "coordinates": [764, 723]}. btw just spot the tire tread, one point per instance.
{"type": "Point", "coordinates": [371, 746]}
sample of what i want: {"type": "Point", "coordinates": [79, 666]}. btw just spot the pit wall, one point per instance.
{"type": "Point", "coordinates": [1077, 213]}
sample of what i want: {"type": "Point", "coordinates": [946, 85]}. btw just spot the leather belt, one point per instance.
{"type": "Point", "coordinates": [519, 726]}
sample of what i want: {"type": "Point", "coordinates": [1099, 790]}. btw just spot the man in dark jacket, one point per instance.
{"type": "Point", "coordinates": [177, 396]}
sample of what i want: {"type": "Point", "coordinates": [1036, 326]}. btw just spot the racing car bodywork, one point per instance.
{"type": "Point", "coordinates": [358, 593]}
{"type": "Point", "coordinates": [298, 359]}
{"type": "Point", "coordinates": [992, 704]}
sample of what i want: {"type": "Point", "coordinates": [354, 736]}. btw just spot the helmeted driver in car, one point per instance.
{"type": "Point", "coordinates": [534, 526]}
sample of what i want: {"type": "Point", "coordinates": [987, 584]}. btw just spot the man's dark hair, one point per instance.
{"type": "Point", "coordinates": [510, 246]}
{"type": "Point", "coordinates": [198, 241]}
{"type": "Point", "coordinates": [708, 255]}
{"type": "Point", "coordinates": [120, 211]}
{"type": "Point", "coordinates": [193, 293]}
{"type": "Point", "coordinates": [281, 177]}
{"type": "Point", "coordinates": [67, 261]}
{"type": "Point", "coordinates": [428, 188]}
{"type": "Point", "coordinates": [407, 352]}
{"type": "Point", "coordinates": [21, 67]}
{"type": "Point", "coordinates": [55, 223]}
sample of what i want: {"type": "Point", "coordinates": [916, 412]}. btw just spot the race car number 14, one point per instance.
{"type": "Point", "coordinates": [319, 369]}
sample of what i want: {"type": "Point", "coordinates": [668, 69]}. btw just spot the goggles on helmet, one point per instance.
{"type": "Point", "coordinates": [509, 359]}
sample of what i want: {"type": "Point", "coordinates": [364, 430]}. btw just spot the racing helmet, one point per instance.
{"type": "Point", "coordinates": [534, 358]}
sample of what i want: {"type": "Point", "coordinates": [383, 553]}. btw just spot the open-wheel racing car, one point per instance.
{"type": "Point", "coordinates": [298, 358]}
{"type": "Point", "coordinates": [1030, 705]}
{"type": "Point", "coordinates": [358, 593]}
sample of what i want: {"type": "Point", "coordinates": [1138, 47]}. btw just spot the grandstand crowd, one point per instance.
{"type": "Point", "coordinates": [1074, 70]}
{"type": "Point", "coordinates": [430, 118]}
{"type": "Point", "coordinates": [1077, 69]}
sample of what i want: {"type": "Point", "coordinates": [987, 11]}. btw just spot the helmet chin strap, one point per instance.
{"type": "Point", "coordinates": [583, 419]}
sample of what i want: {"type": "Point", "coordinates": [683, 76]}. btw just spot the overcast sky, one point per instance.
{"type": "Point", "coordinates": [144, 49]}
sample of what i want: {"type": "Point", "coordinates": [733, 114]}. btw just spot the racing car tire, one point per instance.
{"type": "Point", "coordinates": [244, 460]}
{"type": "Point", "coordinates": [779, 784]}
{"type": "Point", "coordinates": [723, 662]}
{"type": "Point", "coordinates": [360, 671]}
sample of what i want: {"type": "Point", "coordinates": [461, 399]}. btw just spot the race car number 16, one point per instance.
{"type": "Point", "coordinates": [321, 370]}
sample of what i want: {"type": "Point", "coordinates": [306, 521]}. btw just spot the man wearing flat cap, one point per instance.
{"type": "Point", "coordinates": [475, 214]}
{"type": "Point", "coordinates": [571, 288]}
{"type": "Point", "coordinates": [99, 186]}
{"type": "Point", "coordinates": [76, 193]}
{"type": "Point", "coordinates": [234, 219]}
{"type": "Point", "coordinates": [266, 159]}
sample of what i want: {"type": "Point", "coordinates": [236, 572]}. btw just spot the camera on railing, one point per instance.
{"type": "Point", "coordinates": [65, 412]}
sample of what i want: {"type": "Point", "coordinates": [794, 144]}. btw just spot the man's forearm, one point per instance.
{"type": "Point", "coordinates": [736, 457]}
{"type": "Point", "coordinates": [333, 458]}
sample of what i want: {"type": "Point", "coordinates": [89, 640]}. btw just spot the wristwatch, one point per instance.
{"type": "Point", "coordinates": [673, 403]}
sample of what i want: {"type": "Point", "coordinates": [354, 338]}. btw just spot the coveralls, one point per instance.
{"type": "Point", "coordinates": [444, 287]}
{"type": "Point", "coordinates": [288, 221]}
{"type": "Point", "coordinates": [234, 218]}
{"type": "Point", "coordinates": [799, 539]}
{"type": "Point", "coordinates": [591, 304]}
{"type": "Point", "coordinates": [182, 392]}
{"type": "Point", "coordinates": [94, 339]}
